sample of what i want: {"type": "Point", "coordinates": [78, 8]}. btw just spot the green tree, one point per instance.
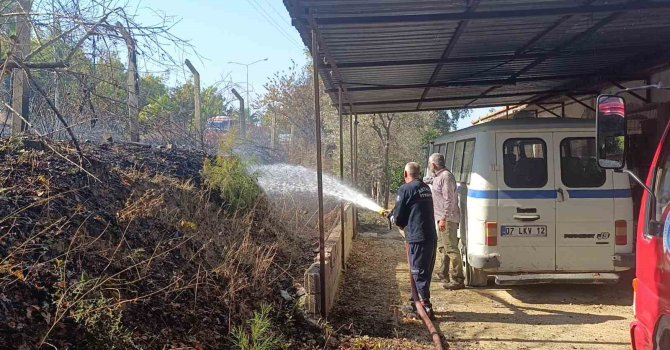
{"type": "Point", "coordinates": [152, 87]}
{"type": "Point", "coordinates": [447, 120]}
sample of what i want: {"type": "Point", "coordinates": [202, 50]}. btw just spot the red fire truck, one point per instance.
{"type": "Point", "coordinates": [216, 128]}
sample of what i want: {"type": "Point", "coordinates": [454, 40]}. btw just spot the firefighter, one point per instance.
{"type": "Point", "coordinates": [413, 213]}
{"type": "Point", "coordinates": [447, 217]}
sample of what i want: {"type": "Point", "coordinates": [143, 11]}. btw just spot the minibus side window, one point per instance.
{"type": "Point", "coordinates": [468, 155]}
{"type": "Point", "coordinates": [438, 148]}
{"type": "Point", "coordinates": [463, 158]}
{"type": "Point", "coordinates": [579, 167]}
{"type": "Point", "coordinates": [458, 160]}
{"type": "Point", "coordinates": [525, 162]}
{"type": "Point", "coordinates": [449, 155]}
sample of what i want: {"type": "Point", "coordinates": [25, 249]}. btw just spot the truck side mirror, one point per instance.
{"type": "Point", "coordinates": [611, 131]}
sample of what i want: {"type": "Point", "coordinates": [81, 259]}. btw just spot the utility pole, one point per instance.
{"type": "Point", "coordinates": [290, 142]}
{"type": "Point", "coordinates": [243, 112]}
{"type": "Point", "coordinates": [133, 84]}
{"type": "Point", "coordinates": [197, 115]}
{"type": "Point", "coordinates": [274, 130]}
{"type": "Point", "coordinates": [246, 65]}
{"type": "Point", "coordinates": [20, 83]}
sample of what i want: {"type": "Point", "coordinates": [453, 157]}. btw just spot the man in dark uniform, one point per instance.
{"type": "Point", "coordinates": [413, 213]}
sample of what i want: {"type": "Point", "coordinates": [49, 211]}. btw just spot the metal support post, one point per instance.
{"type": "Point", "coordinates": [351, 147]}
{"type": "Point", "coordinates": [20, 83]}
{"type": "Point", "coordinates": [563, 109]}
{"type": "Point", "coordinates": [273, 135]}
{"type": "Point", "coordinates": [319, 174]}
{"type": "Point", "coordinates": [355, 170]}
{"type": "Point", "coordinates": [342, 218]}
{"type": "Point", "coordinates": [133, 84]}
{"type": "Point", "coordinates": [197, 114]}
{"type": "Point", "coordinates": [243, 113]}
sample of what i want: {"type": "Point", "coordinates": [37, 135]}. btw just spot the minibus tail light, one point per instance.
{"type": "Point", "coordinates": [491, 234]}
{"type": "Point", "coordinates": [621, 232]}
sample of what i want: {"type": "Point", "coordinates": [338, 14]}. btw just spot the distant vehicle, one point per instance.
{"type": "Point", "coordinates": [536, 208]}
{"type": "Point", "coordinates": [216, 128]}
{"type": "Point", "coordinates": [651, 328]}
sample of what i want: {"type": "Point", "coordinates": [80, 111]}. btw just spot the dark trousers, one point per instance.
{"type": "Point", "coordinates": [422, 262]}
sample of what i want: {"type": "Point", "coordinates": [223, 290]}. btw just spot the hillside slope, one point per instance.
{"type": "Point", "coordinates": [132, 252]}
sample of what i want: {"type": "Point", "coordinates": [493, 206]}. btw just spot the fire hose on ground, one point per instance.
{"type": "Point", "coordinates": [434, 333]}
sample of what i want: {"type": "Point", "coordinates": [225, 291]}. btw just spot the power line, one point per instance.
{"type": "Point", "coordinates": [270, 19]}
{"type": "Point", "coordinates": [272, 22]}
{"type": "Point", "coordinates": [277, 12]}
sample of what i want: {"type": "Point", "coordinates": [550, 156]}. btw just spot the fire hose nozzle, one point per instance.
{"type": "Point", "coordinates": [387, 214]}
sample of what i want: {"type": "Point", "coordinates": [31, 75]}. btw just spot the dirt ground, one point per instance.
{"type": "Point", "coordinates": [552, 317]}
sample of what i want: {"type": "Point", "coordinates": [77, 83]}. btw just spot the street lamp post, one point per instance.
{"type": "Point", "coordinates": [247, 67]}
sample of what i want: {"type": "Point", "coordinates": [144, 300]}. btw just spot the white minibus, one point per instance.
{"type": "Point", "coordinates": [535, 206]}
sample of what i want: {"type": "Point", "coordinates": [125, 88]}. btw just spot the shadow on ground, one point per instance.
{"type": "Point", "coordinates": [524, 314]}
{"type": "Point", "coordinates": [550, 317]}
{"type": "Point", "coordinates": [620, 293]}
{"type": "Point", "coordinates": [370, 296]}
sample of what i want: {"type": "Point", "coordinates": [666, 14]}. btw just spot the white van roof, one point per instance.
{"type": "Point", "coordinates": [522, 124]}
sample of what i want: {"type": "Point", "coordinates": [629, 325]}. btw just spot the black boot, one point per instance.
{"type": "Point", "coordinates": [429, 309]}
{"type": "Point", "coordinates": [453, 285]}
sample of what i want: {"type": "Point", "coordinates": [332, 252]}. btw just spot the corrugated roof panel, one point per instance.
{"type": "Point", "coordinates": [387, 76]}
{"type": "Point", "coordinates": [381, 108]}
{"type": "Point", "coordinates": [390, 95]}
{"type": "Point", "coordinates": [456, 91]}
{"type": "Point", "coordinates": [509, 52]}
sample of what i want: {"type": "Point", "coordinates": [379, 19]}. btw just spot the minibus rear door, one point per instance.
{"type": "Point", "coordinates": [526, 202]}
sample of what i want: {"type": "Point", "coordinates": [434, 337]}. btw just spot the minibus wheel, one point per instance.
{"type": "Point", "coordinates": [473, 277]}
{"type": "Point", "coordinates": [665, 342]}
{"type": "Point", "coordinates": [663, 334]}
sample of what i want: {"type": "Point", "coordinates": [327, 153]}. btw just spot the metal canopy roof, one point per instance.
{"type": "Point", "coordinates": [396, 55]}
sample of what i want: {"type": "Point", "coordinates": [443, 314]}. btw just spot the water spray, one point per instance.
{"type": "Point", "coordinates": [282, 179]}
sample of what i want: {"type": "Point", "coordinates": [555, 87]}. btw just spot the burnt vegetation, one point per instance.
{"type": "Point", "coordinates": [139, 253]}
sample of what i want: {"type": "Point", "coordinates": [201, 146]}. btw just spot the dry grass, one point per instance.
{"type": "Point", "coordinates": [137, 261]}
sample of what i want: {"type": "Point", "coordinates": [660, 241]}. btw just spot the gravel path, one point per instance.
{"type": "Point", "coordinates": [552, 317]}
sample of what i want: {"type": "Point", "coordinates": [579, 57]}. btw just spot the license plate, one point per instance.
{"type": "Point", "coordinates": [524, 231]}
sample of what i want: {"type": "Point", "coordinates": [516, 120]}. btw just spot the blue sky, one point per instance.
{"type": "Point", "coordinates": [235, 30]}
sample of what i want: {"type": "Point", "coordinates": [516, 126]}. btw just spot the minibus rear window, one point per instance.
{"type": "Point", "coordinates": [525, 163]}
{"type": "Point", "coordinates": [579, 167]}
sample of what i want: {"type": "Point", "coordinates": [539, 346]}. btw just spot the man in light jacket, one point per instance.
{"type": "Point", "coordinates": [447, 217]}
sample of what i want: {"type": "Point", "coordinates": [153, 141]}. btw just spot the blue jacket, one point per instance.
{"type": "Point", "coordinates": [413, 212]}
